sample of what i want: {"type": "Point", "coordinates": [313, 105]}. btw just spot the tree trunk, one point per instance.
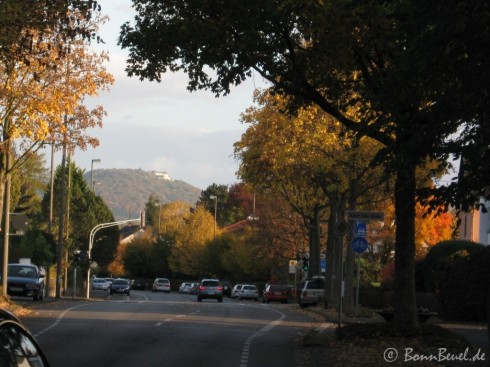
{"type": "Point", "coordinates": [350, 279]}
{"type": "Point", "coordinates": [332, 239]}
{"type": "Point", "coordinates": [314, 237]}
{"type": "Point", "coordinates": [334, 250]}
{"type": "Point", "coordinates": [3, 179]}
{"type": "Point", "coordinates": [405, 306]}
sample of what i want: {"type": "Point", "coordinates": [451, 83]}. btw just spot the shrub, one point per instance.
{"type": "Point", "coordinates": [459, 273]}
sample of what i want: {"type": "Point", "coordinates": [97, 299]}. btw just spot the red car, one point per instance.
{"type": "Point", "coordinates": [275, 292]}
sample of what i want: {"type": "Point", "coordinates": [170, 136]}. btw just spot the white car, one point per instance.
{"type": "Point", "coordinates": [249, 291]}
{"type": "Point", "coordinates": [161, 285]}
{"type": "Point", "coordinates": [100, 284]}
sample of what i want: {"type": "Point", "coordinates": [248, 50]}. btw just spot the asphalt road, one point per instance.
{"type": "Point", "coordinates": [158, 329]}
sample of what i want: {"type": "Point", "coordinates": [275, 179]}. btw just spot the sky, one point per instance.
{"type": "Point", "coordinates": [162, 126]}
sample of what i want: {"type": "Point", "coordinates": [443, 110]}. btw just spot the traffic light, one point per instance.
{"type": "Point", "coordinates": [306, 264]}
{"type": "Point", "coordinates": [76, 257]}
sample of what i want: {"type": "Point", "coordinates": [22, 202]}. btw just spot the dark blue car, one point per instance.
{"type": "Point", "coordinates": [25, 280]}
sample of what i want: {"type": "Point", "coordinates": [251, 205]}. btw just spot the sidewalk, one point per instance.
{"type": "Point", "coordinates": [475, 333]}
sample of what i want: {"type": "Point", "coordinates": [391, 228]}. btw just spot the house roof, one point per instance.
{"type": "Point", "coordinates": [236, 227]}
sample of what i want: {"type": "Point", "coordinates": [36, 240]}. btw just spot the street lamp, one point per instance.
{"type": "Point", "coordinates": [215, 198]}
{"type": "Point", "coordinates": [92, 173]}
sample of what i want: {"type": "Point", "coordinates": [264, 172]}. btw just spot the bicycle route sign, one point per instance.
{"type": "Point", "coordinates": [359, 244]}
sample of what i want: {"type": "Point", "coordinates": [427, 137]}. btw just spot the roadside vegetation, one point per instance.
{"type": "Point", "coordinates": [366, 107]}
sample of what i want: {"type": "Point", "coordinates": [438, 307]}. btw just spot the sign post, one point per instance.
{"type": "Point", "coordinates": [360, 244]}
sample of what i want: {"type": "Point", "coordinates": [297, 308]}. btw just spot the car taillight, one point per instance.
{"type": "Point", "coordinates": [201, 287]}
{"type": "Point", "coordinates": [220, 288]}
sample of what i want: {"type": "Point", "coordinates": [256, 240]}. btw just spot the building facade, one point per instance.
{"type": "Point", "coordinates": [475, 226]}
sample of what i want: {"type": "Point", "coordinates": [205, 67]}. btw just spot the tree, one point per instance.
{"type": "Point", "coordinates": [152, 208]}
{"type": "Point", "coordinates": [43, 87]}
{"type": "Point", "coordinates": [84, 211]}
{"type": "Point", "coordinates": [318, 167]}
{"type": "Point", "coordinates": [191, 241]}
{"type": "Point", "coordinates": [146, 257]}
{"type": "Point", "coordinates": [376, 57]}
{"type": "Point", "coordinates": [21, 22]}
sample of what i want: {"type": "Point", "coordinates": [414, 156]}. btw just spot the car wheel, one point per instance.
{"type": "Point", "coordinates": [220, 299]}
{"type": "Point", "coordinates": [256, 299]}
{"type": "Point", "coordinates": [199, 299]}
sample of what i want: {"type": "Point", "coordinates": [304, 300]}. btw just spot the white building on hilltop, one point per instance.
{"type": "Point", "coordinates": [162, 176]}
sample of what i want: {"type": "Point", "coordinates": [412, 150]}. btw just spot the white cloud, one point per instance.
{"type": "Point", "coordinates": [162, 126]}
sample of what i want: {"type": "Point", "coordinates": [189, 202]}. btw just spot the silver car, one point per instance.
{"type": "Point", "coordinates": [210, 288]}
{"type": "Point", "coordinates": [100, 284]}
{"type": "Point", "coordinates": [236, 290]}
{"type": "Point", "coordinates": [249, 291]}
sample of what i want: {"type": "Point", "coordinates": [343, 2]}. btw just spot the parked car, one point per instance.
{"type": "Point", "coordinates": [185, 288]}
{"type": "Point", "coordinates": [120, 286]}
{"type": "Point", "coordinates": [226, 287]}
{"type": "Point", "coordinates": [18, 346]}
{"type": "Point", "coordinates": [312, 292]}
{"type": "Point", "coordinates": [210, 288]}
{"type": "Point", "coordinates": [25, 280]}
{"type": "Point", "coordinates": [249, 291]}
{"type": "Point", "coordinates": [236, 290]}
{"type": "Point", "coordinates": [275, 293]}
{"type": "Point", "coordinates": [161, 285]}
{"type": "Point", "coordinates": [100, 284]}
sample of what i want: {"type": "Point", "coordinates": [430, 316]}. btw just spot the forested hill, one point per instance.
{"type": "Point", "coordinates": [126, 191]}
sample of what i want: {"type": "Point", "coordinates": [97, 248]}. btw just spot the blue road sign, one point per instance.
{"type": "Point", "coordinates": [360, 229]}
{"type": "Point", "coordinates": [359, 244]}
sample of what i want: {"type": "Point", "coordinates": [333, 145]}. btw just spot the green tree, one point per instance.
{"type": "Point", "coordinates": [152, 207]}
{"type": "Point", "coordinates": [147, 258]}
{"type": "Point", "coordinates": [27, 184]}
{"type": "Point", "coordinates": [375, 56]}
{"type": "Point", "coordinates": [234, 203]}
{"type": "Point", "coordinates": [83, 211]}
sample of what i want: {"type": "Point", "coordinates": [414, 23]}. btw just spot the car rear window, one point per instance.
{"type": "Point", "coordinates": [163, 281]}
{"type": "Point", "coordinates": [277, 288]}
{"type": "Point", "coordinates": [119, 282]}
{"type": "Point", "coordinates": [210, 283]}
{"type": "Point", "coordinates": [315, 284]}
{"type": "Point", "coordinates": [249, 287]}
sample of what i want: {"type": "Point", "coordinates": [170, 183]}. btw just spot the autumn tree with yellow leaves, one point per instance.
{"type": "Point", "coordinates": [190, 242]}
{"type": "Point", "coordinates": [42, 93]}
{"type": "Point", "coordinates": [318, 167]}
